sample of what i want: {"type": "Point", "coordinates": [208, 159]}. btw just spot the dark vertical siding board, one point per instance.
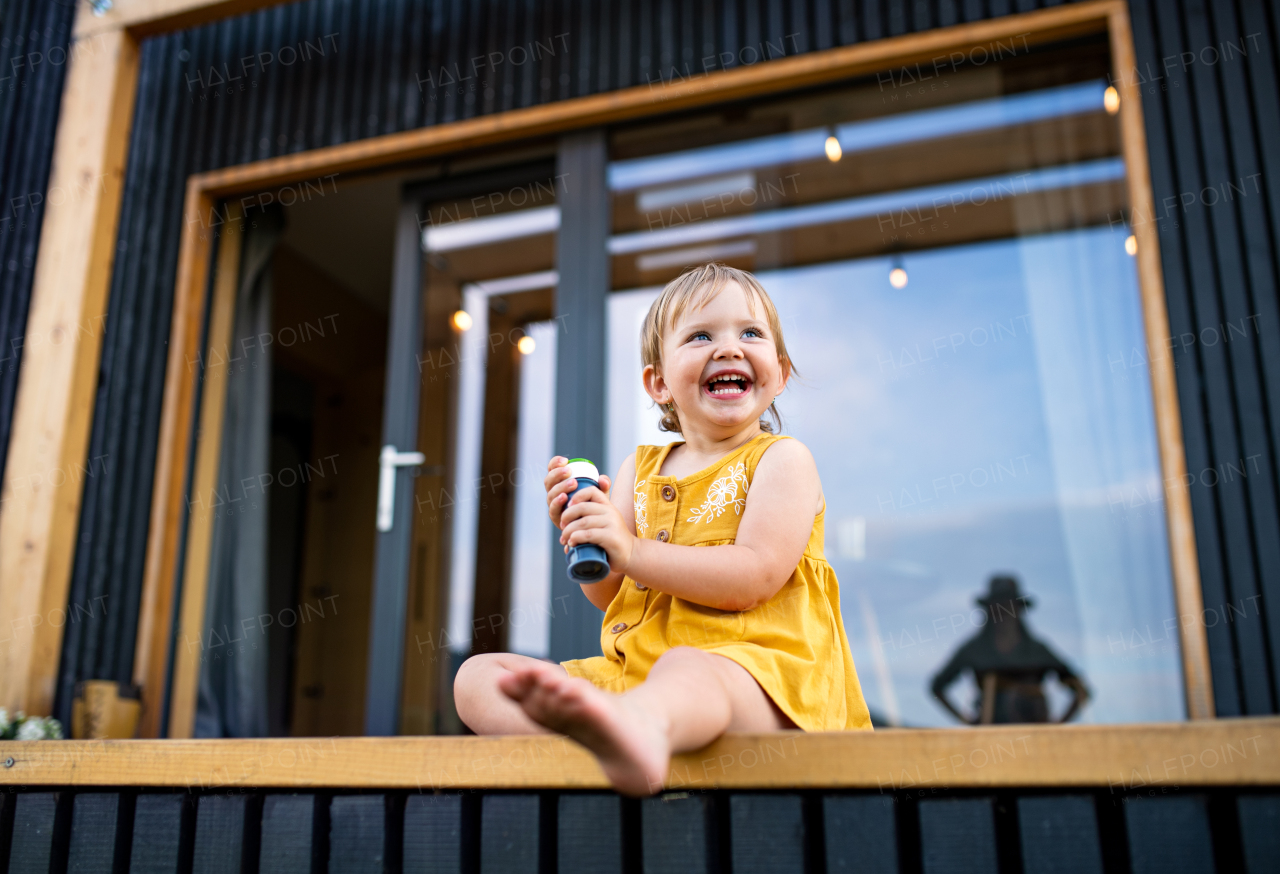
{"type": "Point", "coordinates": [766, 834]}
{"type": "Point", "coordinates": [589, 834]}
{"type": "Point", "coordinates": [510, 833]}
{"type": "Point", "coordinates": [1059, 835]}
{"type": "Point", "coordinates": [1169, 835]}
{"type": "Point", "coordinates": [364, 832]}
{"type": "Point", "coordinates": [1203, 236]}
{"type": "Point", "coordinates": [860, 834]}
{"type": "Point", "coordinates": [163, 834]}
{"type": "Point", "coordinates": [8, 801]}
{"type": "Point", "coordinates": [678, 833]}
{"type": "Point", "coordinates": [1256, 350]}
{"type": "Point", "coordinates": [28, 122]}
{"type": "Point", "coordinates": [440, 834]}
{"type": "Point", "coordinates": [100, 833]}
{"type": "Point", "coordinates": [958, 836]}
{"type": "Point", "coordinates": [227, 832]}
{"type": "Point", "coordinates": [1259, 817]}
{"type": "Point", "coordinates": [294, 835]}
{"type": "Point", "coordinates": [1214, 94]}
{"type": "Point", "coordinates": [1191, 400]}
{"type": "Point", "coordinates": [39, 843]}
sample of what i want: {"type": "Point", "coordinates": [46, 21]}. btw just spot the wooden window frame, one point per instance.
{"type": "Point", "coordinates": [205, 190]}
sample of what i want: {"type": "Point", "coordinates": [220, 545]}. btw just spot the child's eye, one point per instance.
{"type": "Point", "coordinates": [700, 335]}
{"type": "Point", "coordinates": [753, 332]}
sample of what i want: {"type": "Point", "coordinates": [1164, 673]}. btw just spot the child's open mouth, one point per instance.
{"type": "Point", "coordinates": [728, 385]}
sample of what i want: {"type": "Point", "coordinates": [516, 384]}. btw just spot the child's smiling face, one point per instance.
{"type": "Point", "coordinates": [719, 364]}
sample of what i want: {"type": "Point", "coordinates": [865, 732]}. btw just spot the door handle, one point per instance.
{"type": "Point", "coordinates": [388, 461]}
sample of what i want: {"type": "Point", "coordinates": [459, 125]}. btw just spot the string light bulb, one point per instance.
{"type": "Point", "coordinates": [462, 320]}
{"type": "Point", "coordinates": [897, 273]}
{"type": "Point", "coordinates": [834, 152]}
{"type": "Point", "coordinates": [1111, 100]}
{"type": "Point", "coordinates": [526, 345]}
{"type": "Point", "coordinates": [1131, 244]}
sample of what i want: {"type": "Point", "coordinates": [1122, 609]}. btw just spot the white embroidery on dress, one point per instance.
{"type": "Point", "coordinates": [723, 494]}
{"type": "Point", "coordinates": [641, 503]}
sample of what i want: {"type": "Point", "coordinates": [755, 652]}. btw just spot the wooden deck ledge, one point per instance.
{"type": "Point", "coordinates": [1235, 752]}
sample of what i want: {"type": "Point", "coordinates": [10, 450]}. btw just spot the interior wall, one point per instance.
{"type": "Point", "coordinates": [342, 70]}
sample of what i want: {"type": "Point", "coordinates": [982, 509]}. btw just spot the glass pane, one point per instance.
{"type": "Point", "coordinates": [954, 271]}
{"type": "Point", "coordinates": [489, 253]}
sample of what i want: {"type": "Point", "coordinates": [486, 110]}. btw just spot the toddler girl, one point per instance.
{"type": "Point", "coordinates": [721, 613]}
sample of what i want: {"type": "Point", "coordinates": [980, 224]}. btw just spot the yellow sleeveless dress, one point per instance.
{"type": "Point", "coordinates": [794, 645]}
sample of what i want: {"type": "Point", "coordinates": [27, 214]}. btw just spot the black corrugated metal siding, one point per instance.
{"type": "Point", "coordinates": [1207, 124]}
{"type": "Point", "coordinates": [34, 37]}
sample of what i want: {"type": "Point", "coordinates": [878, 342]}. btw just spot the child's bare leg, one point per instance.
{"type": "Point", "coordinates": [689, 699]}
{"type": "Point", "coordinates": [480, 702]}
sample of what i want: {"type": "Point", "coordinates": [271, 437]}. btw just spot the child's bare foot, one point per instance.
{"type": "Point", "coordinates": [632, 747]}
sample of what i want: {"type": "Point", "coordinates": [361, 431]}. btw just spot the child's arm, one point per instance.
{"type": "Point", "coordinates": [559, 482]}
{"type": "Point", "coordinates": [776, 523]}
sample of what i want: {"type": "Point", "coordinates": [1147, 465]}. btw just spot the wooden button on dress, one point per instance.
{"type": "Point", "coordinates": [664, 535]}
{"type": "Point", "coordinates": [621, 626]}
{"type": "Point", "coordinates": [668, 493]}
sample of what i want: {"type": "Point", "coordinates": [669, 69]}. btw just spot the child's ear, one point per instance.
{"type": "Point", "coordinates": [655, 386]}
{"type": "Point", "coordinates": [786, 374]}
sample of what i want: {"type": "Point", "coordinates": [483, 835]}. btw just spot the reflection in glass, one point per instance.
{"type": "Point", "coordinates": [956, 288]}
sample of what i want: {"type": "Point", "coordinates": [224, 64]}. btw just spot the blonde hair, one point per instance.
{"type": "Point", "coordinates": [690, 290]}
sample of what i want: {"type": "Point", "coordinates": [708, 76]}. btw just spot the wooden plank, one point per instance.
{"type": "Point", "coordinates": [100, 825]}
{"type": "Point", "coordinates": [363, 833]}
{"type": "Point", "coordinates": [227, 830]}
{"type": "Point", "coordinates": [860, 833]}
{"type": "Point", "coordinates": [293, 834]}
{"type": "Point", "coordinates": [163, 833]}
{"type": "Point", "coordinates": [766, 834]}
{"type": "Point", "coordinates": [53, 407]}
{"type": "Point", "coordinates": [958, 836]}
{"type": "Point", "coordinates": [1237, 752]}
{"type": "Point", "coordinates": [1169, 834]}
{"type": "Point", "coordinates": [440, 834]}
{"type": "Point", "coordinates": [1059, 835]}
{"type": "Point", "coordinates": [190, 640]}
{"type": "Point", "coordinates": [151, 17]}
{"type": "Point", "coordinates": [589, 833]}
{"type": "Point", "coordinates": [1164, 387]}
{"type": "Point", "coordinates": [39, 842]}
{"type": "Point", "coordinates": [678, 833]}
{"type": "Point", "coordinates": [783, 74]}
{"type": "Point", "coordinates": [1259, 817]}
{"type": "Point", "coordinates": [510, 831]}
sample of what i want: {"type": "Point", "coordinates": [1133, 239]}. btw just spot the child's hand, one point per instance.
{"type": "Point", "coordinates": [558, 483]}
{"type": "Point", "coordinates": [592, 518]}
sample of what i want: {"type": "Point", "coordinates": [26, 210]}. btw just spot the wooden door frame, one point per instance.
{"type": "Point", "coordinates": [205, 190]}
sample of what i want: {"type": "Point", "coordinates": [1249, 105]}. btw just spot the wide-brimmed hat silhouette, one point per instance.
{"type": "Point", "coordinates": [1003, 589]}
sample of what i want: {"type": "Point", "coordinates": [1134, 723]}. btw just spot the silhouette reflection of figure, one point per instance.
{"type": "Point", "coordinates": [1008, 664]}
